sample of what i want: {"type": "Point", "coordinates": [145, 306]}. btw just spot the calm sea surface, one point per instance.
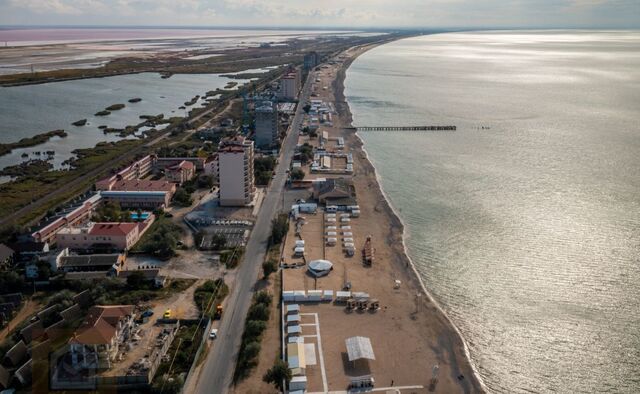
{"type": "Point", "coordinates": [527, 232]}
{"type": "Point", "coordinates": [33, 109]}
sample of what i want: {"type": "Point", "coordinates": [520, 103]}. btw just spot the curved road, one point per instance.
{"type": "Point", "coordinates": [216, 375]}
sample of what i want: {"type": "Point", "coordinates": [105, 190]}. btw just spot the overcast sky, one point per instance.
{"type": "Point", "coordinates": [326, 13]}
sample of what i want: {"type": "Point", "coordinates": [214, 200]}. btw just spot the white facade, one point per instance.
{"type": "Point", "coordinates": [289, 87]}
{"type": "Point", "coordinates": [235, 168]}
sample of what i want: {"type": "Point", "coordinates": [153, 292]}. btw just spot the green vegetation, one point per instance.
{"type": "Point", "coordinates": [181, 354]}
{"type": "Point", "coordinates": [206, 181]}
{"type": "Point", "coordinates": [268, 267]}
{"type": "Point", "coordinates": [254, 327]}
{"type": "Point", "coordinates": [231, 258]}
{"type": "Point", "coordinates": [27, 169]}
{"type": "Point", "coordinates": [297, 174]}
{"type": "Point", "coordinates": [279, 228]}
{"type": "Point", "coordinates": [161, 240]}
{"type": "Point", "coordinates": [306, 153]}
{"type": "Point", "coordinates": [263, 169]}
{"type": "Point", "coordinates": [278, 374]}
{"type": "Point", "coordinates": [115, 107]}
{"type": "Point", "coordinates": [182, 198]}
{"type": "Point", "coordinates": [11, 281]}
{"type": "Point", "coordinates": [31, 141]}
{"type": "Point", "coordinates": [64, 183]}
{"type": "Point", "coordinates": [111, 212]}
{"type": "Point", "coordinates": [209, 295]}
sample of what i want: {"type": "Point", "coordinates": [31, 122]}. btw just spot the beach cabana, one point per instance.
{"type": "Point", "coordinates": [342, 296]}
{"type": "Point", "coordinates": [293, 308]}
{"type": "Point", "coordinates": [299, 295]}
{"type": "Point", "coordinates": [293, 319]}
{"type": "Point", "coordinates": [295, 358]}
{"type": "Point", "coordinates": [314, 295]}
{"type": "Point", "coordinates": [294, 330]}
{"type": "Point", "coordinates": [359, 348]}
{"type": "Point", "coordinates": [319, 268]}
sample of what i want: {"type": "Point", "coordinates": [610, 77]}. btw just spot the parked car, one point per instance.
{"type": "Point", "coordinates": [167, 314]}
{"type": "Point", "coordinates": [213, 334]}
{"type": "Point", "coordinates": [147, 313]}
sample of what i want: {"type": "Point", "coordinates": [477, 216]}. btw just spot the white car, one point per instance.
{"type": "Point", "coordinates": [213, 334]}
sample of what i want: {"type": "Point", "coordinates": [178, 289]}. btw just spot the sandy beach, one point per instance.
{"type": "Point", "coordinates": [433, 329]}
{"type": "Point", "coordinates": [415, 344]}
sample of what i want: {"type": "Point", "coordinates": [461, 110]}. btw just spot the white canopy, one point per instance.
{"type": "Point", "coordinates": [359, 347]}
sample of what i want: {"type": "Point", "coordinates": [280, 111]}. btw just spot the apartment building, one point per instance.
{"type": "Point", "coordinates": [235, 172]}
{"type": "Point", "coordinates": [266, 125]}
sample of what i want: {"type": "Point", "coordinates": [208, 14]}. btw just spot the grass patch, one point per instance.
{"type": "Point", "coordinates": [254, 327]}
{"type": "Point", "coordinates": [209, 295]}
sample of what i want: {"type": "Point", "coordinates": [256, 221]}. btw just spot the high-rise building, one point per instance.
{"type": "Point", "coordinates": [290, 84]}
{"type": "Point", "coordinates": [311, 60]}
{"type": "Point", "coordinates": [235, 171]}
{"type": "Point", "coordinates": [266, 124]}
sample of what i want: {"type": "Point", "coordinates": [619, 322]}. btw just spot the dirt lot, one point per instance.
{"type": "Point", "coordinates": [182, 307]}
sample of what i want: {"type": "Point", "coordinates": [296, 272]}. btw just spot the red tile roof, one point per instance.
{"type": "Point", "coordinates": [143, 186]}
{"type": "Point", "coordinates": [112, 229]}
{"type": "Point", "coordinates": [100, 325]}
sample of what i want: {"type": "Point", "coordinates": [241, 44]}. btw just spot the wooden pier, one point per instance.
{"type": "Point", "coordinates": [404, 128]}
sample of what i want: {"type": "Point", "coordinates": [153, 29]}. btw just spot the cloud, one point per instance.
{"type": "Point", "coordinates": [326, 13]}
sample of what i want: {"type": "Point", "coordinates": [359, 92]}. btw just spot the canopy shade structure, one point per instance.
{"type": "Point", "coordinates": [359, 348]}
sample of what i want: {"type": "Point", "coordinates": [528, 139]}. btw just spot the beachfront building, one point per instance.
{"type": "Point", "coordinates": [311, 60]}
{"type": "Point", "coordinates": [138, 193]}
{"type": "Point", "coordinates": [137, 170]}
{"type": "Point", "coordinates": [235, 171]}
{"type": "Point", "coordinates": [91, 264]}
{"type": "Point", "coordinates": [98, 339]}
{"type": "Point", "coordinates": [211, 165]}
{"type": "Point", "coordinates": [181, 172]}
{"type": "Point", "coordinates": [70, 216]}
{"type": "Point", "coordinates": [266, 135]}
{"type": "Point", "coordinates": [117, 236]}
{"type": "Point", "coordinates": [339, 192]}
{"type": "Point", "coordinates": [290, 85]}
{"type": "Point", "coordinates": [160, 163]}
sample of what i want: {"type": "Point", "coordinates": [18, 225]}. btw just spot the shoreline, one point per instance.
{"type": "Point", "coordinates": [396, 237]}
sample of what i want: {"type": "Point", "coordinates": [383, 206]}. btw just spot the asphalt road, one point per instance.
{"type": "Point", "coordinates": [217, 373]}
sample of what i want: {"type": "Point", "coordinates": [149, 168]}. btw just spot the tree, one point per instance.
{"type": "Point", "coordinates": [205, 181]}
{"type": "Point", "coordinates": [252, 350]}
{"type": "Point", "coordinates": [262, 297]}
{"type": "Point", "coordinates": [258, 312]}
{"type": "Point", "coordinates": [278, 374]}
{"type": "Point", "coordinates": [297, 174]}
{"type": "Point", "coordinates": [254, 328]}
{"type": "Point", "coordinates": [136, 280]}
{"type": "Point", "coordinates": [10, 281]}
{"type": "Point", "coordinates": [307, 108]}
{"type": "Point", "coordinates": [181, 197]}
{"type": "Point", "coordinates": [279, 228]}
{"type": "Point", "coordinates": [306, 152]}
{"type": "Point", "coordinates": [64, 298]}
{"type": "Point", "coordinates": [268, 267]}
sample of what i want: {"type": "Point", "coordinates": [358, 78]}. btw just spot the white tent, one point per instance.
{"type": "Point", "coordinates": [359, 348]}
